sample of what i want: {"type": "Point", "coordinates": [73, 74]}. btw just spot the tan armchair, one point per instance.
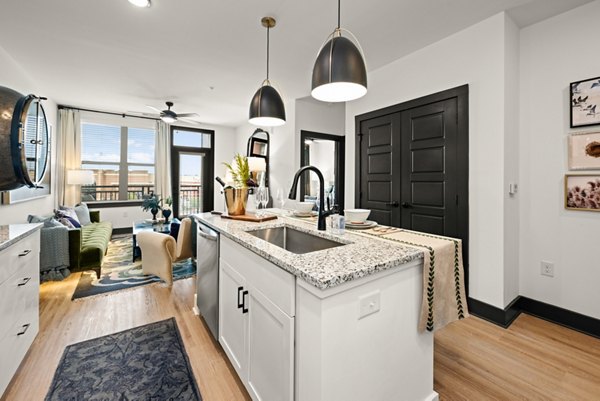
{"type": "Point", "coordinates": [159, 251]}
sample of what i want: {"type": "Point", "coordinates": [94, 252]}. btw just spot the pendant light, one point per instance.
{"type": "Point", "coordinates": [266, 106]}
{"type": "Point", "coordinates": [340, 73]}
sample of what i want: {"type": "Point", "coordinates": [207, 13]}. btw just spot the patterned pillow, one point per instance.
{"type": "Point", "coordinates": [65, 221]}
{"type": "Point", "coordinates": [61, 216]}
{"type": "Point", "coordinates": [33, 218]}
{"type": "Point", "coordinates": [83, 214]}
{"type": "Point", "coordinates": [69, 211]}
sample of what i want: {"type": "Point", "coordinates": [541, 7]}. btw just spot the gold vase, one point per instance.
{"type": "Point", "coordinates": [236, 200]}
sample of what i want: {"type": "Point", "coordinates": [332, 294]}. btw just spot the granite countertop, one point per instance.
{"type": "Point", "coordinates": [360, 257]}
{"type": "Point", "coordinates": [11, 233]}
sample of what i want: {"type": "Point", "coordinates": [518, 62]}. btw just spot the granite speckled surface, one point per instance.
{"type": "Point", "coordinates": [360, 257]}
{"type": "Point", "coordinates": [9, 234]}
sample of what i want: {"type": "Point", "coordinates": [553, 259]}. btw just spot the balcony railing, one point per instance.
{"type": "Point", "coordinates": [99, 193]}
{"type": "Point", "coordinates": [190, 196]}
{"type": "Point", "coordinates": [190, 199]}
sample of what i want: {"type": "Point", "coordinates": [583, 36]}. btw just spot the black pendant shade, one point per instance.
{"type": "Point", "coordinates": [266, 107]}
{"type": "Point", "coordinates": [340, 73]}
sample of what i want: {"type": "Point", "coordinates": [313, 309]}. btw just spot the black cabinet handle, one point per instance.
{"type": "Point", "coordinates": [406, 205]}
{"type": "Point", "coordinates": [244, 307]}
{"type": "Point", "coordinates": [24, 281]}
{"type": "Point", "coordinates": [25, 252]}
{"type": "Point", "coordinates": [393, 204]}
{"type": "Point", "coordinates": [240, 303]}
{"type": "Point", "coordinates": [24, 329]}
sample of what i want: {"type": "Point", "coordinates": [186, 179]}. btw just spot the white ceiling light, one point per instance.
{"type": "Point", "coordinates": [140, 3]}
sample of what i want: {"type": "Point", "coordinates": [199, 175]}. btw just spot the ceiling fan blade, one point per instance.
{"type": "Point", "coordinates": [141, 113]}
{"type": "Point", "coordinates": [188, 115]}
{"type": "Point", "coordinates": [187, 120]}
{"type": "Point", "coordinates": [154, 108]}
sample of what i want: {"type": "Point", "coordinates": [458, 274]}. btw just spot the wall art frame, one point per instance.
{"type": "Point", "coordinates": [584, 151]}
{"type": "Point", "coordinates": [584, 102]}
{"type": "Point", "coordinates": [582, 192]}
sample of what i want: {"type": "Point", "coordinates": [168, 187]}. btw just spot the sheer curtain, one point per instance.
{"type": "Point", "coordinates": [163, 160]}
{"type": "Point", "coordinates": [68, 155]}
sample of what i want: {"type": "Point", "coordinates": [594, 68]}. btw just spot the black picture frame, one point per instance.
{"type": "Point", "coordinates": [584, 99]}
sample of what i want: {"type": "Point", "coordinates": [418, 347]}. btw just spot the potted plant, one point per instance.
{"type": "Point", "coordinates": [152, 203]}
{"type": "Point", "coordinates": [236, 197]}
{"type": "Point", "coordinates": [166, 211]}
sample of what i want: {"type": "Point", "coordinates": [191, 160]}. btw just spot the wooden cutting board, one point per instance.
{"type": "Point", "coordinates": [249, 217]}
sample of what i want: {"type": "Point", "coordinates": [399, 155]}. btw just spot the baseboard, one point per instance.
{"type": "Point", "coordinates": [501, 317]}
{"type": "Point", "coordinates": [120, 231]}
{"type": "Point", "coordinates": [564, 317]}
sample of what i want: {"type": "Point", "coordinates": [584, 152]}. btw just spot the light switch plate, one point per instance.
{"type": "Point", "coordinates": [369, 304]}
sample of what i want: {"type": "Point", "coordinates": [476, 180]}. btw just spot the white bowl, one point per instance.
{"type": "Point", "coordinates": [357, 215]}
{"type": "Point", "coordinates": [304, 207]}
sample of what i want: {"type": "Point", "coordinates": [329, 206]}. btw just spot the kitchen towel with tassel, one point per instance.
{"type": "Point", "coordinates": [444, 299]}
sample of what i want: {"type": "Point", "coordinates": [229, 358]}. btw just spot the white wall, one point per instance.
{"type": "Point", "coordinates": [554, 53]}
{"type": "Point", "coordinates": [474, 56]}
{"type": "Point", "coordinates": [14, 77]}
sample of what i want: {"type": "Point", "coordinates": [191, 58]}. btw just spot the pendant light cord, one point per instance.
{"type": "Point", "coordinates": [339, 7]}
{"type": "Point", "coordinates": [268, 29]}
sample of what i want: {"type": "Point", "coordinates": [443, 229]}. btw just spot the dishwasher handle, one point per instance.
{"type": "Point", "coordinates": [205, 235]}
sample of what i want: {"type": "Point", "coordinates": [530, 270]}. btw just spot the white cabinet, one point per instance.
{"type": "Point", "coordinates": [256, 322]}
{"type": "Point", "coordinates": [19, 303]}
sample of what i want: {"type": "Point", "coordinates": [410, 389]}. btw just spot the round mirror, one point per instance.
{"type": "Point", "coordinates": [33, 136]}
{"type": "Point", "coordinates": [24, 140]}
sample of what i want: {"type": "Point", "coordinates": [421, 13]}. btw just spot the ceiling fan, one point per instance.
{"type": "Point", "coordinates": [169, 116]}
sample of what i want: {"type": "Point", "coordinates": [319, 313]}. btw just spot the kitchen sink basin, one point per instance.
{"type": "Point", "coordinates": [293, 240]}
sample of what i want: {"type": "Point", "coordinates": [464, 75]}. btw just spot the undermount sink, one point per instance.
{"type": "Point", "coordinates": [293, 240]}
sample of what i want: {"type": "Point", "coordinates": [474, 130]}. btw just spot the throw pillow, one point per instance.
{"type": "Point", "coordinates": [52, 223]}
{"type": "Point", "coordinates": [69, 211]}
{"type": "Point", "coordinates": [83, 214]}
{"type": "Point", "coordinates": [33, 218]}
{"type": "Point", "coordinates": [65, 221]}
{"type": "Point", "coordinates": [61, 216]}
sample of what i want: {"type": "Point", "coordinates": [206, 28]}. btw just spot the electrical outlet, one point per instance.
{"type": "Point", "coordinates": [547, 269]}
{"type": "Point", "coordinates": [368, 304]}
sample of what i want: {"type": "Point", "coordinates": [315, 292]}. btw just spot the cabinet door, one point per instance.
{"type": "Point", "coordinates": [233, 323]}
{"type": "Point", "coordinates": [270, 350]}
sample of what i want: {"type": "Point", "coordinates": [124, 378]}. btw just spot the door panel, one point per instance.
{"type": "Point", "coordinates": [233, 324]}
{"type": "Point", "coordinates": [270, 350]}
{"type": "Point", "coordinates": [429, 147]}
{"type": "Point", "coordinates": [425, 143]}
{"type": "Point", "coordinates": [379, 149]}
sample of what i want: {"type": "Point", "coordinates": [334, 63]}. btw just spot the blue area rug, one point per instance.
{"type": "Point", "coordinates": [145, 363]}
{"type": "Point", "coordinates": [119, 272]}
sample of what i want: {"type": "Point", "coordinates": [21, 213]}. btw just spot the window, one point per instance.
{"type": "Point", "coordinates": [122, 159]}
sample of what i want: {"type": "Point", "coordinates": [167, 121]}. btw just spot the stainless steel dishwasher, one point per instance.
{"type": "Point", "coordinates": [207, 277]}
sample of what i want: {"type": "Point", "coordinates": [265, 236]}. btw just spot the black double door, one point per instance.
{"type": "Point", "coordinates": [412, 164]}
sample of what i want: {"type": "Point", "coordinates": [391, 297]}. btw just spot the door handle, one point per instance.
{"type": "Point", "coordinates": [23, 329]}
{"type": "Point", "coordinates": [24, 281]}
{"type": "Point", "coordinates": [25, 252]}
{"type": "Point", "coordinates": [240, 303]}
{"type": "Point", "coordinates": [244, 307]}
{"type": "Point", "coordinates": [406, 205]}
{"type": "Point", "coordinates": [393, 204]}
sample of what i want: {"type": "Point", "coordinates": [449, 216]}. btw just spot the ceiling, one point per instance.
{"type": "Point", "coordinates": [209, 56]}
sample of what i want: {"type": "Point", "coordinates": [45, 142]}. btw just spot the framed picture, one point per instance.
{"type": "Point", "coordinates": [584, 151]}
{"type": "Point", "coordinates": [585, 102]}
{"type": "Point", "coordinates": [582, 192]}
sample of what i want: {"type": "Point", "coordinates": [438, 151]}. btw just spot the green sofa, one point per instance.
{"type": "Point", "coordinates": [88, 244]}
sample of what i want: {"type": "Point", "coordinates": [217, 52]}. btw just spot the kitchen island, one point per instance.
{"type": "Point", "coordinates": [338, 323]}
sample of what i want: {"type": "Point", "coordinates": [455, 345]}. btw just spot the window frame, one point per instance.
{"type": "Point", "coordinates": [123, 163]}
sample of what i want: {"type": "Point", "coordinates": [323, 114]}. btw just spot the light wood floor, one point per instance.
{"type": "Point", "coordinates": [474, 360]}
{"type": "Point", "coordinates": [64, 322]}
{"type": "Point", "coordinates": [532, 360]}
